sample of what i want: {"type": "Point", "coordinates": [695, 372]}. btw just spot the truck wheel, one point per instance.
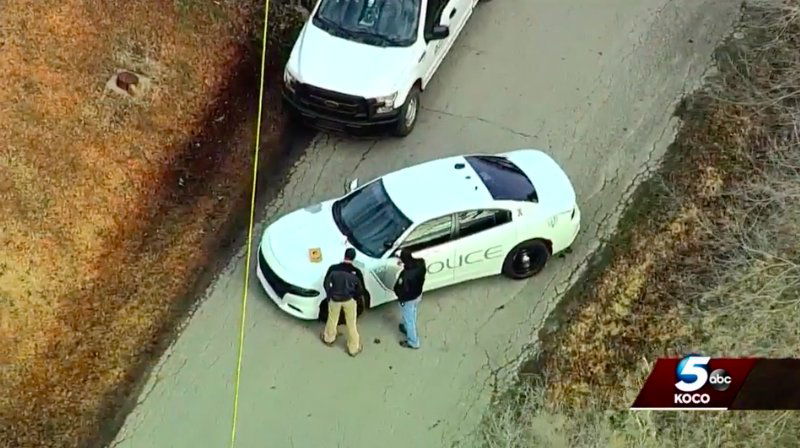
{"type": "Point", "coordinates": [526, 259]}
{"type": "Point", "coordinates": [408, 113]}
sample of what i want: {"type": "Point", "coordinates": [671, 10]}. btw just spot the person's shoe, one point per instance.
{"type": "Point", "coordinates": [322, 337]}
{"type": "Point", "coordinates": [353, 354]}
{"type": "Point", "coordinates": [402, 328]}
{"type": "Point", "coordinates": [405, 344]}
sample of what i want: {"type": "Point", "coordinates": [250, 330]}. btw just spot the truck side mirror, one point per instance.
{"type": "Point", "coordinates": [439, 32]}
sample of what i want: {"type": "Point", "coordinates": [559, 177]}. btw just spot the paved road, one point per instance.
{"type": "Point", "coordinates": [593, 82]}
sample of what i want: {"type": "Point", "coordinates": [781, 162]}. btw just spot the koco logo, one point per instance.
{"type": "Point", "coordinates": [692, 374]}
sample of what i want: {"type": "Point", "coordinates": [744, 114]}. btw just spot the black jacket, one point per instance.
{"type": "Point", "coordinates": [343, 282]}
{"type": "Point", "coordinates": [411, 281]}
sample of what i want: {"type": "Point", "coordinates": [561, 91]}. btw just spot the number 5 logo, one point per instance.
{"type": "Point", "coordinates": [692, 373]}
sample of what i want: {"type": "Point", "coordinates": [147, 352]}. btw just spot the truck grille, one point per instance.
{"type": "Point", "coordinates": [278, 285]}
{"type": "Point", "coordinates": [332, 104]}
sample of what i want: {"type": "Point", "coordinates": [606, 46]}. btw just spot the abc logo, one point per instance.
{"type": "Point", "coordinates": [719, 380]}
{"type": "Point", "coordinates": [692, 375]}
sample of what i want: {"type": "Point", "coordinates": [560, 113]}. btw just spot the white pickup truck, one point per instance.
{"type": "Point", "coordinates": [361, 64]}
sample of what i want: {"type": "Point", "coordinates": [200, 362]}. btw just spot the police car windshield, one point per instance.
{"type": "Point", "coordinates": [369, 219]}
{"type": "Point", "coordinates": [373, 22]}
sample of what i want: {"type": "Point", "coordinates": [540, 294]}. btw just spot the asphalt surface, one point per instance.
{"type": "Point", "coordinates": [594, 83]}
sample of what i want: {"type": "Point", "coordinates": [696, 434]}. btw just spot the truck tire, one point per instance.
{"type": "Point", "coordinates": [408, 113]}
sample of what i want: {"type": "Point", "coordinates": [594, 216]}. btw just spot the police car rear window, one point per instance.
{"type": "Point", "coordinates": [504, 180]}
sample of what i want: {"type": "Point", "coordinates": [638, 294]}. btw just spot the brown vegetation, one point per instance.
{"type": "Point", "coordinates": [707, 260]}
{"type": "Point", "coordinates": [110, 207]}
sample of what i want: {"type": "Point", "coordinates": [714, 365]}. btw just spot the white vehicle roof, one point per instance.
{"type": "Point", "coordinates": [435, 188]}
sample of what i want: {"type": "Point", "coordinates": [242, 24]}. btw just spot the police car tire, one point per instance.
{"type": "Point", "coordinates": [400, 129]}
{"type": "Point", "coordinates": [323, 311]}
{"type": "Point", "coordinates": [359, 307]}
{"type": "Point", "coordinates": [541, 255]}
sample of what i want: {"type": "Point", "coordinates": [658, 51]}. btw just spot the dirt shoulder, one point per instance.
{"type": "Point", "coordinates": [114, 209]}
{"type": "Point", "coordinates": [706, 260]}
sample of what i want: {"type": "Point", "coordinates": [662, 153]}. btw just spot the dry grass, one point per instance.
{"type": "Point", "coordinates": [711, 264]}
{"type": "Point", "coordinates": [106, 214]}
{"type": "Point", "coordinates": [76, 162]}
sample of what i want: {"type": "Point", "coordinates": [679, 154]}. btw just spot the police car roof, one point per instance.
{"type": "Point", "coordinates": [437, 187]}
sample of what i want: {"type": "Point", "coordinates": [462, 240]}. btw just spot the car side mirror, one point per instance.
{"type": "Point", "coordinates": [352, 185]}
{"type": "Point", "coordinates": [439, 32]}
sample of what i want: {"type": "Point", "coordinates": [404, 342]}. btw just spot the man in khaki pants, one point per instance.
{"type": "Point", "coordinates": [343, 284]}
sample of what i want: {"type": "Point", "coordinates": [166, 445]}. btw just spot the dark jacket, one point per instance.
{"type": "Point", "coordinates": [411, 281]}
{"type": "Point", "coordinates": [343, 282]}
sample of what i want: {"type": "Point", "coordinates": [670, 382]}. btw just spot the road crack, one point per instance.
{"type": "Point", "coordinates": [482, 120]}
{"type": "Point", "coordinates": [363, 158]}
{"type": "Point", "coordinates": [322, 170]}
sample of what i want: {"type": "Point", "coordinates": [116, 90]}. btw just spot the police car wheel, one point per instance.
{"type": "Point", "coordinates": [526, 259]}
{"type": "Point", "coordinates": [323, 311]}
{"type": "Point", "coordinates": [360, 307]}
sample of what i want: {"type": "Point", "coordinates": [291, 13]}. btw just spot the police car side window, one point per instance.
{"type": "Point", "coordinates": [476, 221]}
{"type": "Point", "coordinates": [432, 233]}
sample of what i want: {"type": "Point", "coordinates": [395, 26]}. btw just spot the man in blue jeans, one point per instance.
{"type": "Point", "coordinates": [409, 294]}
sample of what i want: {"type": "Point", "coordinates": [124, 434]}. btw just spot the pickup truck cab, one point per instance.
{"type": "Point", "coordinates": [363, 63]}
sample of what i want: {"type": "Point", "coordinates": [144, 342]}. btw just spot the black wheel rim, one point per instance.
{"type": "Point", "coordinates": [528, 261]}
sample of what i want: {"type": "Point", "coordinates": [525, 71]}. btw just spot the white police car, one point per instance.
{"type": "Point", "coordinates": [468, 216]}
{"type": "Point", "coordinates": [363, 63]}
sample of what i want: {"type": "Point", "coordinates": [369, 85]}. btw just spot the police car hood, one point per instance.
{"type": "Point", "coordinates": [552, 184]}
{"type": "Point", "coordinates": [288, 242]}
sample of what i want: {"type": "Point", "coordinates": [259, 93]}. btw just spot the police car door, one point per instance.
{"type": "Point", "coordinates": [379, 279]}
{"type": "Point", "coordinates": [433, 242]}
{"type": "Point", "coordinates": [484, 238]}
